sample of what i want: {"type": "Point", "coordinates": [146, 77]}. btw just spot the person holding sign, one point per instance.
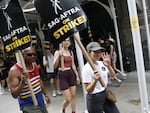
{"type": "Point", "coordinates": [17, 81]}
{"type": "Point", "coordinates": [96, 94]}
{"type": "Point", "coordinates": [68, 75]}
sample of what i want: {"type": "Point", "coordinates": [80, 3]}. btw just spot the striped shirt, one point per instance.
{"type": "Point", "coordinates": [25, 98]}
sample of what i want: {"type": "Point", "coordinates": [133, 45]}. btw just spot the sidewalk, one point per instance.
{"type": "Point", "coordinates": [127, 95]}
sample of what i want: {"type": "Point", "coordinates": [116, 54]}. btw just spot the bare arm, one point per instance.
{"type": "Point", "coordinates": [111, 50]}
{"type": "Point", "coordinates": [111, 72]}
{"type": "Point", "coordinates": [15, 82]}
{"type": "Point", "coordinates": [43, 88]}
{"type": "Point", "coordinates": [75, 69]}
{"type": "Point", "coordinates": [107, 63]}
{"type": "Point", "coordinates": [91, 86]}
{"type": "Point", "coordinates": [56, 59]}
{"type": "Point", "coordinates": [45, 92]}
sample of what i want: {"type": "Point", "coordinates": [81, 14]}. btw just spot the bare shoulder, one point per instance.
{"type": "Point", "coordinates": [13, 74]}
{"type": "Point", "coordinates": [56, 53]}
{"type": "Point", "coordinates": [12, 70]}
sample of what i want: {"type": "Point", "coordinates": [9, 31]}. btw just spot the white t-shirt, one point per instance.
{"type": "Point", "coordinates": [87, 75]}
{"type": "Point", "coordinates": [50, 68]}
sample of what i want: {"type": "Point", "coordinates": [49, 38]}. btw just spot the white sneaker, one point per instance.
{"type": "Point", "coordinates": [118, 80]}
{"type": "Point", "coordinates": [54, 94]}
{"type": "Point", "coordinates": [59, 92]}
{"type": "Point", "coordinates": [124, 75]}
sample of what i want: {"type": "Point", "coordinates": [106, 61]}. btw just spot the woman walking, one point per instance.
{"type": "Point", "coordinates": [68, 75]}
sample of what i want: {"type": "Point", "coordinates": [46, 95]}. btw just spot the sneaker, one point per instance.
{"type": "Point", "coordinates": [116, 82]}
{"type": "Point", "coordinates": [59, 92]}
{"type": "Point", "coordinates": [124, 75]}
{"type": "Point", "coordinates": [117, 79]}
{"type": "Point", "coordinates": [54, 94]}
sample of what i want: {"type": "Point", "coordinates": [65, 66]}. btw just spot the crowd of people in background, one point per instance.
{"type": "Point", "coordinates": [110, 47]}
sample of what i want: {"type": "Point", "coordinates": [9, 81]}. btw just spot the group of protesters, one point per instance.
{"type": "Point", "coordinates": [64, 77]}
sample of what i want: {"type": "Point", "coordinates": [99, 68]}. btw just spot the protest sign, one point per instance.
{"type": "Point", "coordinates": [15, 34]}
{"type": "Point", "coordinates": [62, 17]}
{"type": "Point", "coordinates": [14, 30]}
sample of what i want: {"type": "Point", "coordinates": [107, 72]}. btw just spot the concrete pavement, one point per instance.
{"type": "Point", "coordinates": [127, 96]}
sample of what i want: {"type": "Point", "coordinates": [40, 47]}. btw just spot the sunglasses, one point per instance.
{"type": "Point", "coordinates": [31, 54]}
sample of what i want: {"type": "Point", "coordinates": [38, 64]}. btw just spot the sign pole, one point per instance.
{"type": "Point", "coordinates": [20, 60]}
{"type": "Point", "coordinates": [87, 56]}
{"type": "Point", "coordinates": [81, 64]}
{"type": "Point", "coordinates": [138, 54]}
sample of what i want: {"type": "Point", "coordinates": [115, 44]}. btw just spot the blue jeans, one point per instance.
{"type": "Point", "coordinates": [98, 103]}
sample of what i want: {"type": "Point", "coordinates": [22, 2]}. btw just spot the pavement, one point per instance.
{"type": "Point", "coordinates": [128, 97]}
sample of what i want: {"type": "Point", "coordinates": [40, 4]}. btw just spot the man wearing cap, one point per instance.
{"type": "Point", "coordinates": [96, 93]}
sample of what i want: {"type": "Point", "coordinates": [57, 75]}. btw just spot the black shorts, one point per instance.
{"type": "Point", "coordinates": [67, 78]}
{"type": "Point", "coordinates": [51, 75]}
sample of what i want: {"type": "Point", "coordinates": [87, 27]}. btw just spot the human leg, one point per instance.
{"type": "Point", "coordinates": [116, 71]}
{"type": "Point", "coordinates": [3, 85]}
{"type": "Point", "coordinates": [53, 87]}
{"type": "Point", "coordinates": [119, 71]}
{"type": "Point", "coordinates": [57, 87]}
{"type": "Point", "coordinates": [95, 102]}
{"type": "Point", "coordinates": [73, 98]}
{"type": "Point", "coordinates": [67, 99]}
{"type": "Point", "coordinates": [52, 83]}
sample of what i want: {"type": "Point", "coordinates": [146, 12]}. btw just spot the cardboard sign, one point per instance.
{"type": "Point", "coordinates": [14, 31]}
{"type": "Point", "coordinates": [62, 17]}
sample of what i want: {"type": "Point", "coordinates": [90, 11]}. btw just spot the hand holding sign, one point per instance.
{"type": "Point", "coordinates": [15, 35]}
